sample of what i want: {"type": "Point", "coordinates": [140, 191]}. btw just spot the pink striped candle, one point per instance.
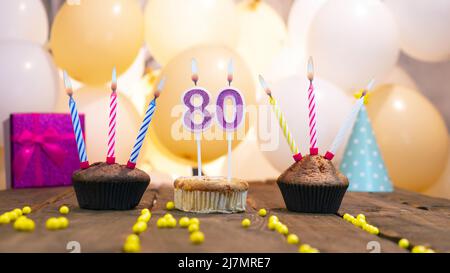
{"type": "Point", "coordinates": [313, 150]}
{"type": "Point", "coordinates": [110, 158]}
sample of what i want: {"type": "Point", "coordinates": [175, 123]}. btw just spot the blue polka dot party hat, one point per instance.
{"type": "Point", "coordinates": [362, 163]}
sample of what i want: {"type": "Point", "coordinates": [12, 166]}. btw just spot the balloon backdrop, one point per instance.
{"type": "Point", "coordinates": [400, 77]}
{"type": "Point", "coordinates": [212, 65]}
{"type": "Point", "coordinates": [172, 26]}
{"type": "Point", "coordinates": [283, 65]}
{"type": "Point", "coordinates": [353, 41]}
{"type": "Point", "coordinates": [29, 80]}
{"type": "Point", "coordinates": [299, 21]}
{"type": "Point", "coordinates": [262, 33]}
{"type": "Point", "coordinates": [88, 40]}
{"type": "Point", "coordinates": [23, 20]}
{"type": "Point", "coordinates": [441, 188]}
{"type": "Point", "coordinates": [2, 169]}
{"type": "Point", "coordinates": [424, 28]}
{"type": "Point", "coordinates": [94, 103]}
{"type": "Point", "coordinates": [291, 93]}
{"type": "Point", "coordinates": [411, 134]}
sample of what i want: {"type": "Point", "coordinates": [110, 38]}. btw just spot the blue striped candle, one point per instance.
{"type": "Point", "coordinates": [84, 164]}
{"type": "Point", "coordinates": [144, 128]}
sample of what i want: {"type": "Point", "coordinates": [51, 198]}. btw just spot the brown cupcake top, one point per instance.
{"type": "Point", "coordinates": [103, 172]}
{"type": "Point", "coordinates": [210, 183]}
{"type": "Point", "coordinates": [313, 170]}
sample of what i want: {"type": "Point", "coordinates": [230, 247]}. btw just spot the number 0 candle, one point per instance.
{"type": "Point", "coordinates": [110, 158]}
{"type": "Point", "coordinates": [84, 164]}
{"type": "Point", "coordinates": [313, 150]}
{"type": "Point", "coordinates": [144, 127]}
{"type": "Point", "coordinates": [348, 123]}
{"type": "Point", "coordinates": [281, 120]}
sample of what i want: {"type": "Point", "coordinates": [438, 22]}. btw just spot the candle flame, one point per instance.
{"type": "Point", "coordinates": [230, 72]}
{"type": "Point", "coordinates": [264, 85]}
{"type": "Point", "coordinates": [194, 69]}
{"type": "Point", "coordinates": [67, 83]}
{"type": "Point", "coordinates": [310, 69]}
{"type": "Point", "coordinates": [160, 87]}
{"type": "Point", "coordinates": [114, 80]}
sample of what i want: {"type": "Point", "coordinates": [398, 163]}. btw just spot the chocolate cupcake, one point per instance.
{"type": "Point", "coordinates": [109, 187]}
{"type": "Point", "coordinates": [312, 185]}
{"type": "Point", "coordinates": [210, 194]}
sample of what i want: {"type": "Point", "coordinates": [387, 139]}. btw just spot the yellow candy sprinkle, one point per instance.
{"type": "Point", "coordinates": [52, 223]}
{"type": "Point", "coordinates": [419, 249]}
{"type": "Point", "coordinates": [18, 224]}
{"type": "Point", "coordinates": [29, 225]}
{"type": "Point", "coordinates": [278, 225]}
{"type": "Point", "coordinates": [170, 205]}
{"type": "Point", "coordinates": [63, 222]}
{"type": "Point", "coordinates": [132, 247]}
{"type": "Point", "coordinates": [313, 250]}
{"type": "Point", "coordinates": [168, 216]}
{"type": "Point", "coordinates": [429, 250]}
{"type": "Point", "coordinates": [12, 216]}
{"type": "Point", "coordinates": [139, 227]}
{"type": "Point", "coordinates": [193, 228]}
{"type": "Point", "coordinates": [262, 212]}
{"type": "Point", "coordinates": [292, 239]}
{"type": "Point", "coordinates": [361, 217]}
{"type": "Point", "coordinates": [356, 222]}
{"type": "Point", "coordinates": [26, 210]}
{"type": "Point", "coordinates": [184, 222]}
{"type": "Point", "coordinates": [171, 222]}
{"type": "Point", "coordinates": [373, 230]}
{"type": "Point", "coordinates": [197, 237]}
{"type": "Point", "coordinates": [403, 243]}
{"type": "Point", "coordinates": [64, 210]}
{"type": "Point", "coordinates": [24, 224]}
{"type": "Point", "coordinates": [283, 229]}
{"type": "Point", "coordinates": [271, 225]}
{"type": "Point", "coordinates": [132, 238]}
{"type": "Point", "coordinates": [304, 248]}
{"type": "Point", "coordinates": [273, 218]}
{"type": "Point", "coordinates": [4, 219]}
{"type": "Point", "coordinates": [246, 223]}
{"type": "Point", "coordinates": [144, 218]}
{"type": "Point", "coordinates": [161, 223]}
{"type": "Point", "coordinates": [194, 221]}
{"type": "Point", "coordinates": [18, 212]}
{"type": "Point", "coordinates": [145, 211]}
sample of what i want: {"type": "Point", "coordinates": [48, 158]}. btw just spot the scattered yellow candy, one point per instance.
{"type": "Point", "coordinates": [278, 225]}
{"type": "Point", "coordinates": [184, 222]}
{"type": "Point", "coordinates": [283, 229]}
{"type": "Point", "coordinates": [373, 230]}
{"type": "Point", "coordinates": [64, 210]}
{"type": "Point", "coordinates": [193, 228]}
{"type": "Point", "coordinates": [419, 249]}
{"type": "Point", "coordinates": [145, 211]}
{"type": "Point", "coordinates": [144, 218]}
{"type": "Point", "coordinates": [262, 212]}
{"type": "Point", "coordinates": [271, 225]}
{"type": "Point", "coordinates": [304, 248]}
{"type": "Point", "coordinates": [273, 218]}
{"type": "Point", "coordinates": [4, 219]}
{"type": "Point", "coordinates": [429, 250]}
{"type": "Point", "coordinates": [24, 224]}
{"type": "Point", "coordinates": [18, 212]}
{"type": "Point", "coordinates": [171, 222]}
{"type": "Point", "coordinates": [12, 216]}
{"type": "Point", "coordinates": [139, 227]}
{"type": "Point", "coordinates": [292, 239]}
{"type": "Point", "coordinates": [356, 222]}
{"type": "Point", "coordinates": [361, 217]}
{"type": "Point", "coordinates": [168, 216]}
{"type": "Point", "coordinates": [63, 222]}
{"type": "Point", "coordinates": [161, 223]}
{"type": "Point", "coordinates": [313, 250]}
{"type": "Point", "coordinates": [170, 205]}
{"type": "Point", "coordinates": [194, 221]}
{"type": "Point", "coordinates": [131, 247]}
{"type": "Point", "coordinates": [29, 225]}
{"type": "Point", "coordinates": [197, 237]}
{"type": "Point", "coordinates": [132, 238]}
{"type": "Point", "coordinates": [348, 217]}
{"type": "Point", "coordinates": [246, 222]}
{"type": "Point", "coordinates": [26, 210]}
{"type": "Point", "coordinates": [52, 223]}
{"type": "Point", "coordinates": [403, 243]}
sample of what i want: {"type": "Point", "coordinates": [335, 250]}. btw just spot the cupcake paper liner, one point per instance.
{"type": "Point", "coordinates": [109, 195]}
{"type": "Point", "coordinates": [210, 202]}
{"type": "Point", "coordinates": [312, 198]}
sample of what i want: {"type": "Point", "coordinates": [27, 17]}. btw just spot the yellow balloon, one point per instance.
{"type": "Point", "coordinates": [411, 134]}
{"type": "Point", "coordinates": [442, 187]}
{"type": "Point", "coordinates": [262, 33]}
{"type": "Point", "coordinates": [89, 39]}
{"type": "Point", "coordinates": [212, 71]}
{"type": "Point", "coordinates": [172, 26]}
{"type": "Point", "coordinates": [94, 103]}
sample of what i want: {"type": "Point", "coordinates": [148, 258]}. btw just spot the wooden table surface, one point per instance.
{"type": "Point", "coordinates": [421, 219]}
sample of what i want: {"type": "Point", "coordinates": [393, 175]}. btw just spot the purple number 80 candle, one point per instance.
{"type": "Point", "coordinates": [189, 121]}
{"type": "Point", "coordinates": [238, 109]}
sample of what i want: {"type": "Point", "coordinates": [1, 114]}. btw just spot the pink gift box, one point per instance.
{"type": "Point", "coordinates": [43, 150]}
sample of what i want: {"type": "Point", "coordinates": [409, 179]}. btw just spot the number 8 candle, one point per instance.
{"type": "Point", "coordinates": [84, 164]}
{"type": "Point", "coordinates": [111, 159]}
{"type": "Point", "coordinates": [281, 120]}
{"type": "Point", "coordinates": [144, 126]}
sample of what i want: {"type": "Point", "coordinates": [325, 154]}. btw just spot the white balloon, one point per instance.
{"type": "Point", "coordinates": [333, 105]}
{"type": "Point", "coordinates": [423, 27]}
{"type": "Point", "coordinates": [262, 34]}
{"type": "Point", "coordinates": [172, 26]}
{"type": "Point", "coordinates": [23, 20]}
{"type": "Point", "coordinates": [285, 64]}
{"type": "Point", "coordinates": [28, 78]}
{"type": "Point", "coordinates": [398, 76]}
{"type": "Point", "coordinates": [300, 17]}
{"type": "Point", "coordinates": [353, 41]}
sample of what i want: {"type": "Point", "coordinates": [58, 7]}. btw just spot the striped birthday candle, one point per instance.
{"type": "Point", "coordinates": [110, 158]}
{"type": "Point", "coordinates": [313, 150]}
{"type": "Point", "coordinates": [84, 164]}
{"type": "Point", "coordinates": [144, 127]}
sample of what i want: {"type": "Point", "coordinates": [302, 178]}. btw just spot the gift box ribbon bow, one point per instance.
{"type": "Point", "coordinates": [49, 142]}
